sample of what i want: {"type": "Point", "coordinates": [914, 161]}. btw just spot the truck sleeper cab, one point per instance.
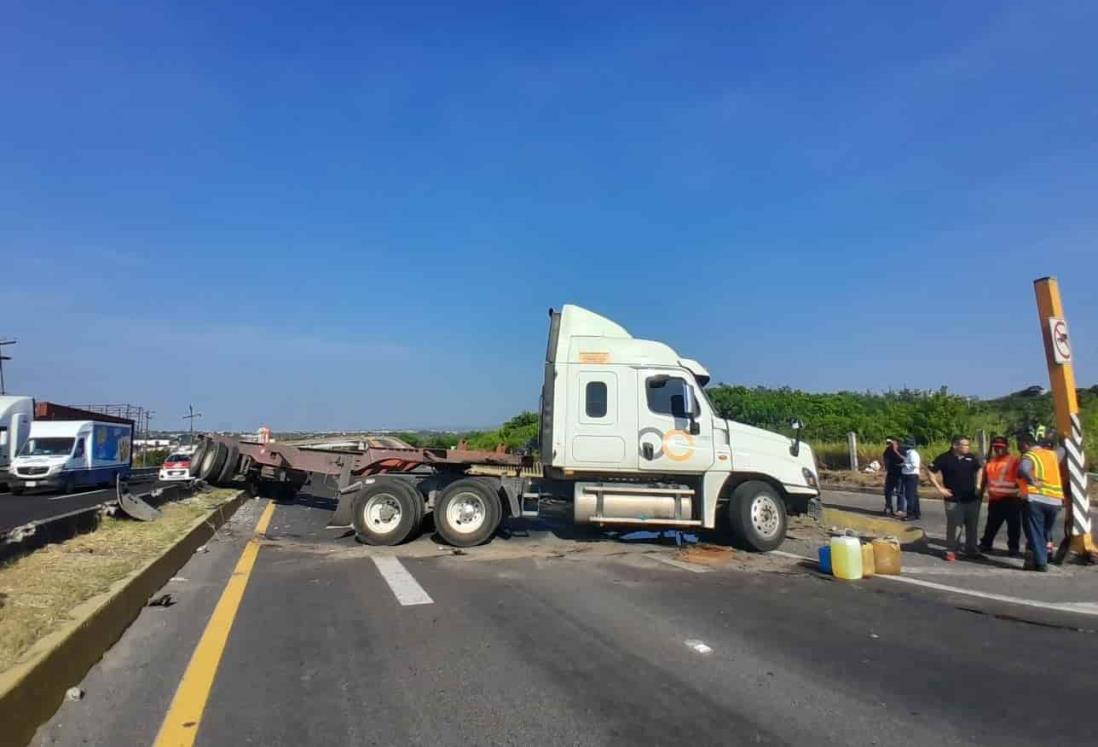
{"type": "Point", "coordinates": [61, 455]}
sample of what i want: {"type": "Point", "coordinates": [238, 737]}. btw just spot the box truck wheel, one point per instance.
{"type": "Point", "coordinates": [468, 512]}
{"type": "Point", "coordinates": [386, 512]}
{"type": "Point", "coordinates": [756, 516]}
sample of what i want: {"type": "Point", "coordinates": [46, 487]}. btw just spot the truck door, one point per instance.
{"type": "Point", "coordinates": [675, 427]}
{"type": "Point", "coordinates": [79, 459]}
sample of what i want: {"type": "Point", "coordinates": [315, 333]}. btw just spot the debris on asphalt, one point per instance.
{"type": "Point", "coordinates": [177, 578]}
{"type": "Point", "coordinates": [457, 551]}
{"type": "Point", "coordinates": [699, 646]}
{"type": "Point", "coordinates": [164, 600]}
{"type": "Point", "coordinates": [874, 635]}
{"type": "Point", "coordinates": [202, 548]}
{"type": "Point", "coordinates": [74, 693]}
{"type": "Point", "coordinates": [706, 554]}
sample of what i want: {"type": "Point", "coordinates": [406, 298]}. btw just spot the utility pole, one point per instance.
{"type": "Point", "coordinates": [1061, 374]}
{"type": "Point", "coordinates": [2, 359]}
{"type": "Point", "coordinates": [148, 417]}
{"type": "Point", "coordinates": [191, 415]}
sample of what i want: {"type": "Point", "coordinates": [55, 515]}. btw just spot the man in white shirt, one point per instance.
{"type": "Point", "coordinates": [910, 478]}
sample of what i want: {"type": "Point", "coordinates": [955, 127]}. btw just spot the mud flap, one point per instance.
{"type": "Point", "coordinates": [342, 515]}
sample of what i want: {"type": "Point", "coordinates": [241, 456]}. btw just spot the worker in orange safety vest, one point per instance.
{"type": "Point", "coordinates": [1004, 497]}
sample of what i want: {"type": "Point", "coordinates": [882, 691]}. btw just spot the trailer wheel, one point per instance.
{"type": "Point", "coordinates": [213, 461]}
{"type": "Point", "coordinates": [386, 512]}
{"type": "Point", "coordinates": [228, 470]}
{"type": "Point", "coordinates": [756, 516]}
{"type": "Point", "coordinates": [196, 458]}
{"type": "Point", "coordinates": [468, 512]}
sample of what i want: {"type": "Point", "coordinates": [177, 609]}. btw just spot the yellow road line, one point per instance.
{"type": "Point", "coordinates": [185, 713]}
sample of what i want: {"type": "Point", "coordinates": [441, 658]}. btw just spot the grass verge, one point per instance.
{"type": "Point", "coordinates": [38, 591]}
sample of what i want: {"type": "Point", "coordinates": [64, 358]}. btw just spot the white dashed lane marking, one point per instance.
{"type": "Point", "coordinates": [403, 585]}
{"type": "Point", "coordinates": [71, 495]}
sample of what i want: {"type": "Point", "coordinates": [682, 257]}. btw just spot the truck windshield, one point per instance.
{"type": "Point", "coordinates": [47, 447]}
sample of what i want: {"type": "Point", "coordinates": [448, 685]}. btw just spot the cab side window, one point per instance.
{"type": "Point", "coordinates": [79, 450]}
{"type": "Point", "coordinates": [595, 399]}
{"type": "Point", "coordinates": [667, 395]}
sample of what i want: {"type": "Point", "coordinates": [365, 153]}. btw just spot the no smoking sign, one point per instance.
{"type": "Point", "coordinates": [1061, 344]}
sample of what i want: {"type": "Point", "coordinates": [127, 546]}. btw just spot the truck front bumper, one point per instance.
{"type": "Point", "coordinates": [36, 482]}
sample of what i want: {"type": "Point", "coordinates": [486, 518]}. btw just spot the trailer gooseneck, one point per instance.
{"type": "Point", "coordinates": [627, 433]}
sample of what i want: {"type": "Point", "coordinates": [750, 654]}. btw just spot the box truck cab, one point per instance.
{"type": "Point", "coordinates": [65, 455]}
{"type": "Point", "coordinates": [16, 414]}
{"type": "Point", "coordinates": [629, 423]}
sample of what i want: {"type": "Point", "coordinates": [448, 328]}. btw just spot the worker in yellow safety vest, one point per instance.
{"type": "Point", "coordinates": [1004, 497]}
{"type": "Point", "coordinates": [1043, 490]}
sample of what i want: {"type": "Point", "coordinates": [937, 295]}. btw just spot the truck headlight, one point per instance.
{"type": "Point", "coordinates": [810, 478]}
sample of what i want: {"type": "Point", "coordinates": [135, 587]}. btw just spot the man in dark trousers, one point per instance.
{"type": "Point", "coordinates": [1043, 489]}
{"type": "Point", "coordinates": [1004, 499]}
{"type": "Point", "coordinates": [961, 482]}
{"type": "Point", "coordinates": [893, 462]}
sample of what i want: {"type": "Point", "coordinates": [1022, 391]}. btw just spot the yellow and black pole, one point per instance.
{"type": "Point", "coordinates": [1061, 375]}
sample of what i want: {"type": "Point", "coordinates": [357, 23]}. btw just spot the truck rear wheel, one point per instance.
{"type": "Point", "coordinates": [756, 516]}
{"type": "Point", "coordinates": [196, 457]}
{"type": "Point", "coordinates": [212, 461]}
{"type": "Point", "coordinates": [468, 512]}
{"type": "Point", "coordinates": [228, 470]}
{"type": "Point", "coordinates": [386, 512]}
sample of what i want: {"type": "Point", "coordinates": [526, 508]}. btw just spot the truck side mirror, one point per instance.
{"type": "Point", "coordinates": [678, 406]}
{"type": "Point", "coordinates": [797, 427]}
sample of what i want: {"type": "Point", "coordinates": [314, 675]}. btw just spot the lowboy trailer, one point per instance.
{"type": "Point", "coordinates": [626, 432]}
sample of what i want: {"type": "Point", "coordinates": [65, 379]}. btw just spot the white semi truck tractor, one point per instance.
{"type": "Point", "coordinates": [627, 433]}
{"type": "Point", "coordinates": [627, 423]}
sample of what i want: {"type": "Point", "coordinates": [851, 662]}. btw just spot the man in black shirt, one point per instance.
{"type": "Point", "coordinates": [961, 481]}
{"type": "Point", "coordinates": [893, 462]}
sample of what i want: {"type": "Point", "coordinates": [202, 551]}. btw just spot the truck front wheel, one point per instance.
{"type": "Point", "coordinates": [386, 512]}
{"type": "Point", "coordinates": [468, 512]}
{"type": "Point", "coordinates": [756, 516]}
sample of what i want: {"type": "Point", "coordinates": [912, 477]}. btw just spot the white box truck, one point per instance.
{"type": "Point", "coordinates": [627, 433]}
{"type": "Point", "coordinates": [65, 455]}
{"type": "Point", "coordinates": [16, 415]}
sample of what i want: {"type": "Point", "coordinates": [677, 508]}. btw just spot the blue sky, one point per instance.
{"type": "Point", "coordinates": [327, 215]}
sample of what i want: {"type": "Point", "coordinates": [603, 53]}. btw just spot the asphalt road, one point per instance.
{"type": "Point", "coordinates": [17, 510]}
{"type": "Point", "coordinates": [546, 637]}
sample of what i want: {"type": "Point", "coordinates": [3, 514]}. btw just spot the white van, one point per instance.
{"type": "Point", "coordinates": [64, 455]}
{"type": "Point", "coordinates": [16, 414]}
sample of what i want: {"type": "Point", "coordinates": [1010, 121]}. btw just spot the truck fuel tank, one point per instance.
{"type": "Point", "coordinates": [595, 501]}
